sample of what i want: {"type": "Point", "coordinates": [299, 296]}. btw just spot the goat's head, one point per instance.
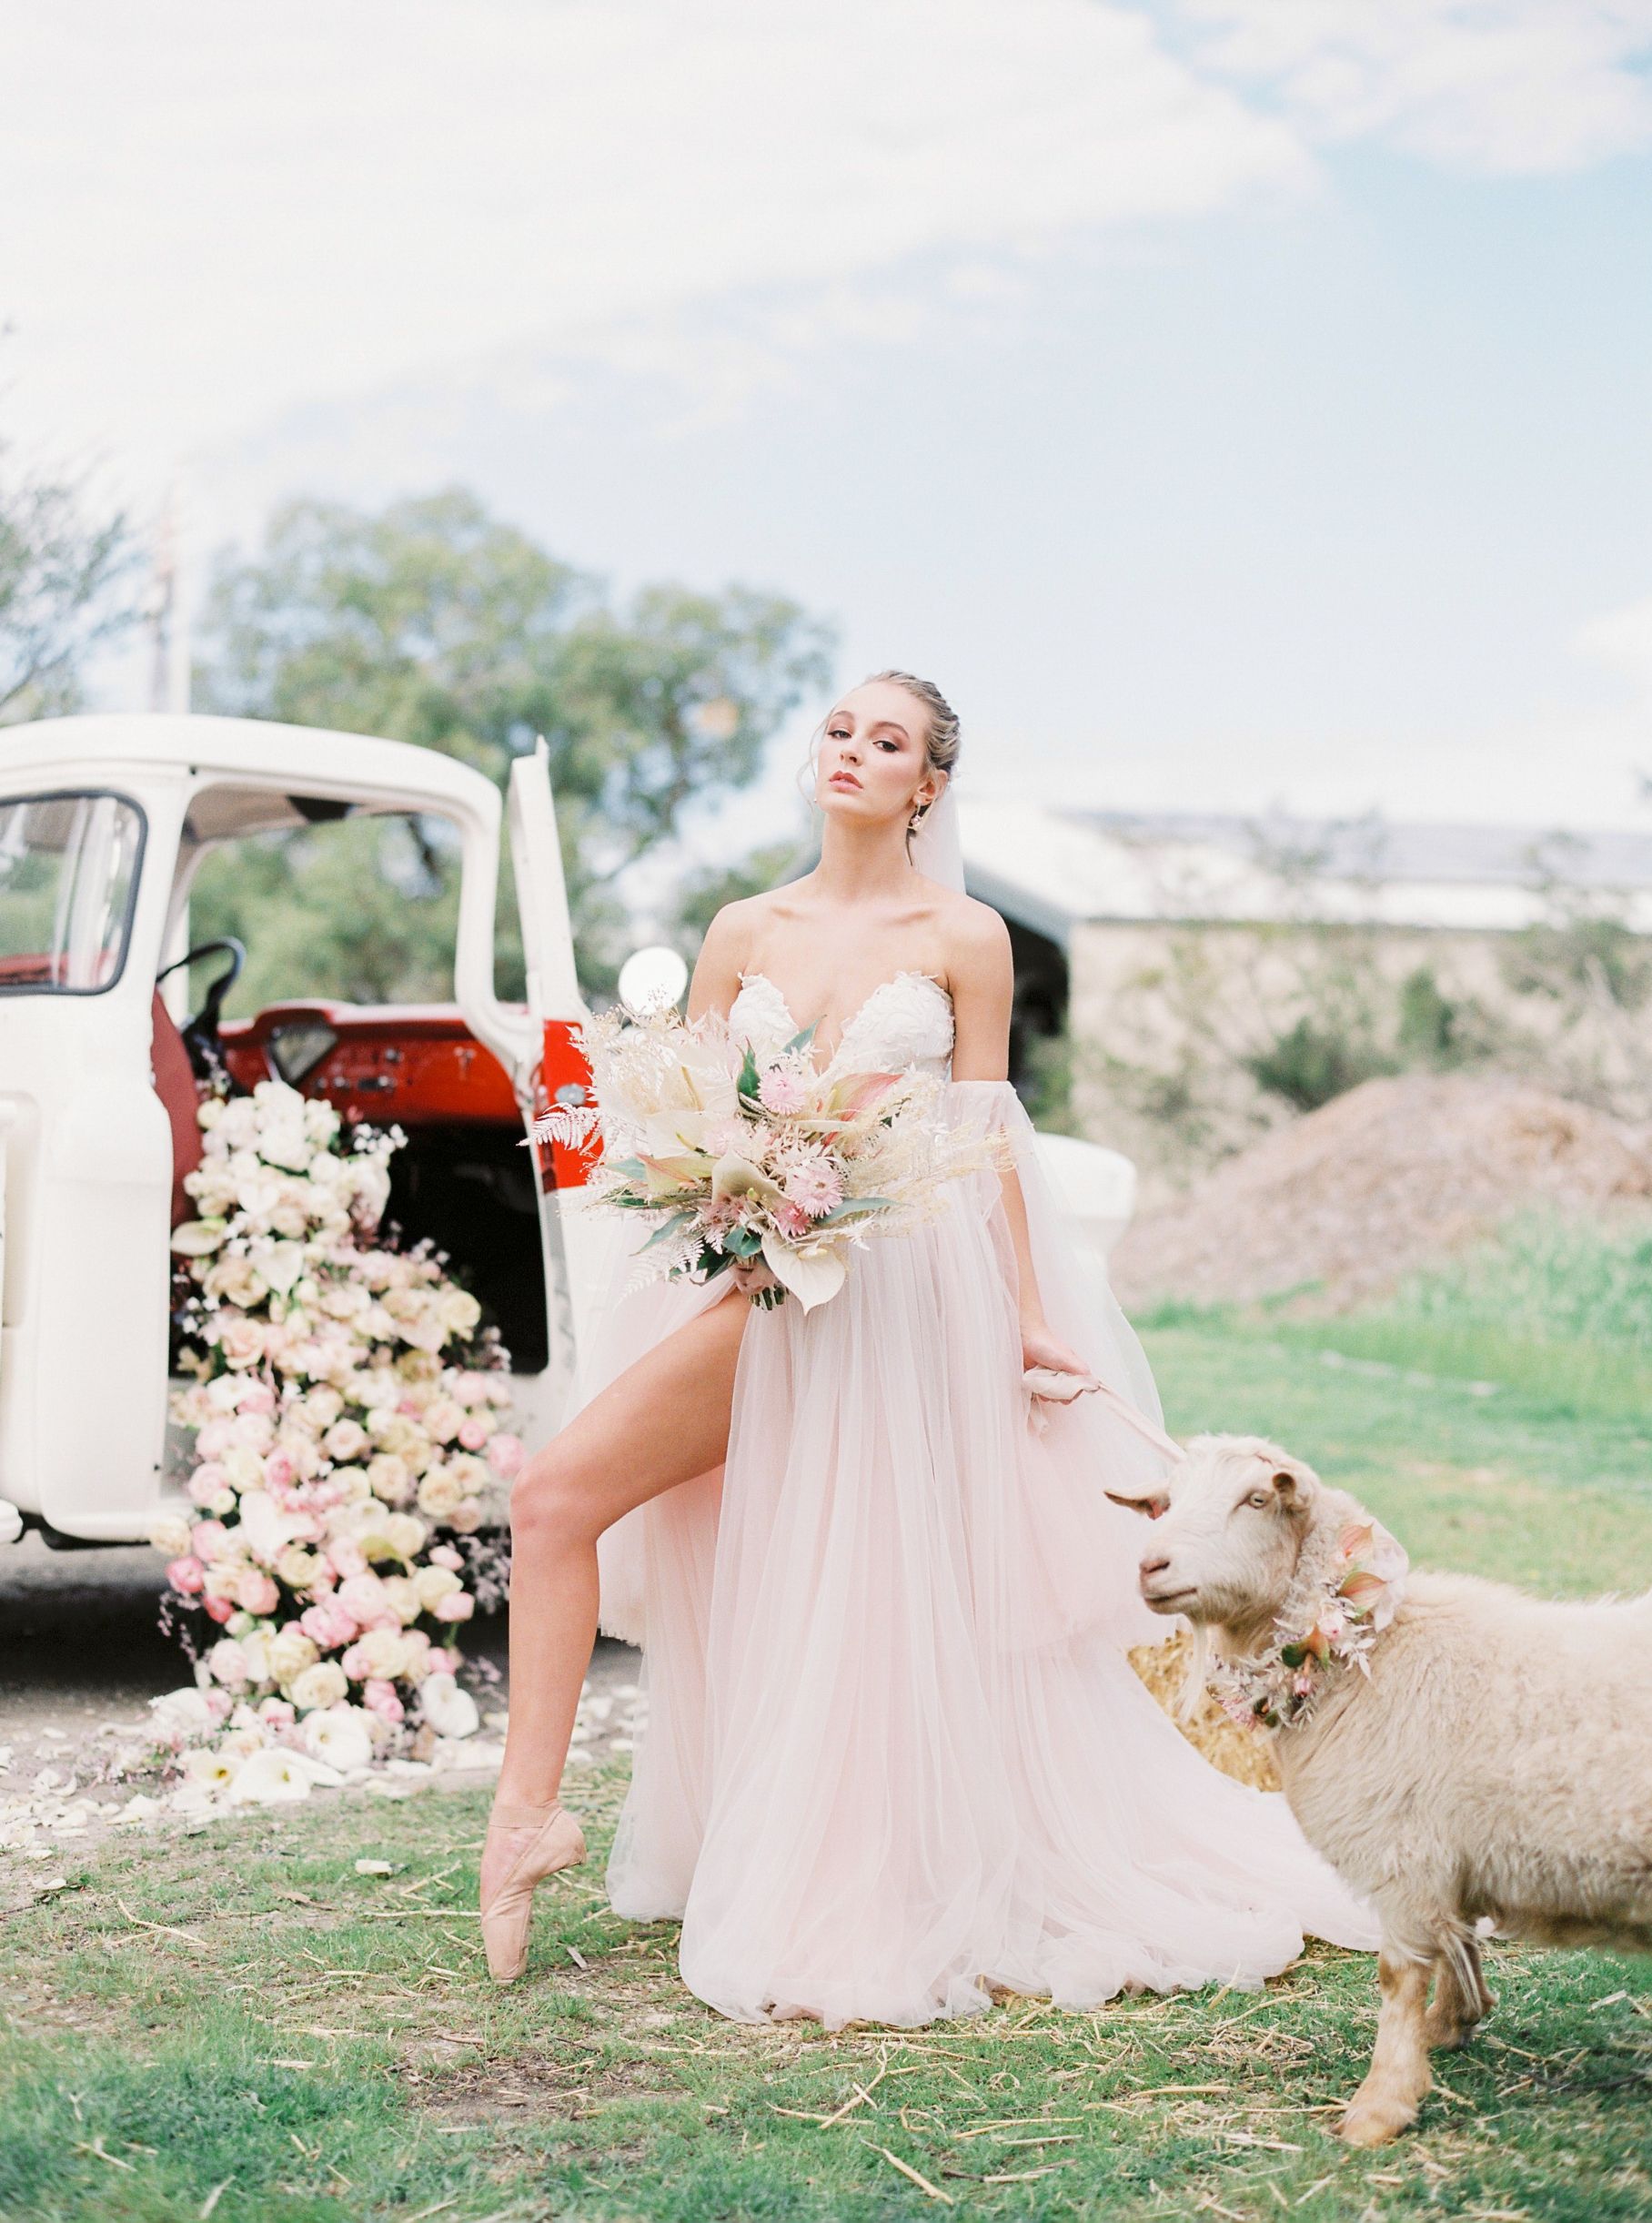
{"type": "Point", "coordinates": [1228, 1527]}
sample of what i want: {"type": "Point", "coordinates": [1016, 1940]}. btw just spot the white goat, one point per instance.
{"type": "Point", "coordinates": [1484, 1754]}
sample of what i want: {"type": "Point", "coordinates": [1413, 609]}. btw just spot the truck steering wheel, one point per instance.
{"type": "Point", "coordinates": [200, 1034]}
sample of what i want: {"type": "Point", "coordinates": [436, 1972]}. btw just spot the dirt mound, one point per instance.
{"type": "Point", "coordinates": [1383, 1180]}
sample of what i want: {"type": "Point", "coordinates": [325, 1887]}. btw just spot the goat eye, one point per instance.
{"type": "Point", "coordinates": [1258, 1497]}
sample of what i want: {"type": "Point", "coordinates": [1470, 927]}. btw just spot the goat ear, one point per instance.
{"type": "Point", "coordinates": [1290, 1487]}
{"type": "Point", "coordinates": [1151, 1506]}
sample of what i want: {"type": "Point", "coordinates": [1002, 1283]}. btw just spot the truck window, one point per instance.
{"type": "Point", "coordinates": [68, 883]}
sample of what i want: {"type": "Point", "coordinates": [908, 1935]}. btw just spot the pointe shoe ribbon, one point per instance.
{"type": "Point", "coordinates": [557, 1842]}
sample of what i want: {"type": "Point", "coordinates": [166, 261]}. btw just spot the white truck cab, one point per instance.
{"type": "Point", "coordinates": [104, 821]}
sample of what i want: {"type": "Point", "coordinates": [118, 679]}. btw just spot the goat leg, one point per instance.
{"type": "Point", "coordinates": [1400, 2074]}
{"type": "Point", "coordinates": [1461, 2001]}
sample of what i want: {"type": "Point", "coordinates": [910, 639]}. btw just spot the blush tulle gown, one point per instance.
{"type": "Point", "coordinates": [893, 1751]}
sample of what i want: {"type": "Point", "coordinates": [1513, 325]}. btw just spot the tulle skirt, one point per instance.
{"type": "Point", "coordinates": [893, 1750]}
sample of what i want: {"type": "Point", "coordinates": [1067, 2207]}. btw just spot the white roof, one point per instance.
{"type": "Point", "coordinates": [1049, 870]}
{"type": "Point", "coordinates": [301, 759]}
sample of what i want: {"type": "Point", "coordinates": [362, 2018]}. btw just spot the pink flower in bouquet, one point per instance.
{"type": "Point", "coordinates": [329, 1625]}
{"type": "Point", "coordinates": [473, 1434]}
{"type": "Point", "coordinates": [782, 1090]}
{"type": "Point", "coordinates": [444, 1417]}
{"type": "Point", "coordinates": [257, 1397]}
{"type": "Point", "coordinates": [278, 1469]}
{"type": "Point", "coordinates": [241, 1340]}
{"type": "Point", "coordinates": [207, 1484]}
{"type": "Point", "coordinates": [444, 1555]}
{"type": "Point", "coordinates": [345, 1439]}
{"type": "Point", "coordinates": [816, 1185]}
{"type": "Point", "coordinates": [791, 1220]}
{"type": "Point", "coordinates": [207, 1538]}
{"type": "Point", "coordinates": [280, 1712]}
{"type": "Point", "coordinates": [218, 1703]}
{"type": "Point", "coordinates": [380, 1697]}
{"type": "Point", "coordinates": [219, 1609]}
{"type": "Point", "coordinates": [356, 1663]}
{"type": "Point", "coordinates": [257, 1430]}
{"type": "Point", "coordinates": [459, 1606]}
{"type": "Point", "coordinates": [255, 1593]}
{"type": "Point", "coordinates": [505, 1454]}
{"type": "Point", "coordinates": [346, 1557]}
{"type": "Point", "coordinates": [446, 1660]}
{"type": "Point", "coordinates": [186, 1575]}
{"type": "Point", "coordinates": [216, 1438]}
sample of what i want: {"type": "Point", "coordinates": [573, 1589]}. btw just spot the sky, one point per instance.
{"type": "Point", "coordinates": [1240, 403]}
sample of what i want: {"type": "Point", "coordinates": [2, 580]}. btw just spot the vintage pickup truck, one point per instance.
{"type": "Point", "coordinates": [104, 823]}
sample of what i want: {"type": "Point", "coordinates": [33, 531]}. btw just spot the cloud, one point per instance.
{"type": "Point", "coordinates": [233, 210]}
{"type": "Point", "coordinates": [1488, 85]}
{"type": "Point", "coordinates": [1623, 639]}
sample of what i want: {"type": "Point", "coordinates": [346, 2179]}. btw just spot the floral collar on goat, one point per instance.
{"type": "Point", "coordinates": [1331, 1617]}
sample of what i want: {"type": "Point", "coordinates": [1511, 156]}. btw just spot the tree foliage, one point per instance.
{"type": "Point", "coordinates": [67, 584]}
{"type": "Point", "coordinates": [433, 621]}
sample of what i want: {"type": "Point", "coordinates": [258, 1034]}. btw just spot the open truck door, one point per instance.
{"type": "Point", "coordinates": [573, 1249]}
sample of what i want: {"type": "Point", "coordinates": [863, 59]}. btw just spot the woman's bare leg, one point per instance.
{"type": "Point", "coordinates": [663, 1420]}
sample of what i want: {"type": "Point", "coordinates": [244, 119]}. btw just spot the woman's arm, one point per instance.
{"type": "Point", "coordinates": [982, 976]}
{"type": "Point", "coordinates": [716, 981]}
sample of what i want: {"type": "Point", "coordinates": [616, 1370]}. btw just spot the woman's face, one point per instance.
{"type": "Point", "coordinates": [872, 759]}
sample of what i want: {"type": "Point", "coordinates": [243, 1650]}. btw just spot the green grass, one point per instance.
{"type": "Point", "coordinates": [280, 2038]}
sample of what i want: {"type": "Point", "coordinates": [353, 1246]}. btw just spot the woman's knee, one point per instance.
{"type": "Point", "coordinates": [553, 1496]}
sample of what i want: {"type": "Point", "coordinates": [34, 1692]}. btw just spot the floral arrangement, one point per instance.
{"type": "Point", "coordinates": [1335, 1623]}
{"type": "Point", "coordinates": [350, 1416]}
{"type": "Point", "coordinates": [731, 1156]}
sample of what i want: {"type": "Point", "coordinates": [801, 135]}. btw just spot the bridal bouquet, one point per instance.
{"type": "Point", "coordinates": [727, 1155]}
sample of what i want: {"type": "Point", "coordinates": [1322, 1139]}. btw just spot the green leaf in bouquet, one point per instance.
{"type": "Point", "coordinates": [854, 1207]}
{"type": "Point", "coordinates": [677, 1222]}
{"type": "Point", "coordinates": [742, 1242]}
{"type": "Point", "coordinates": [633, 1168]}
{"type": "Point", "coordinates": [749, 1080]}
{"type": "Point", "coordinates": [803, 1041]}
{"type": "Point", "coordinates": [710, 1263]}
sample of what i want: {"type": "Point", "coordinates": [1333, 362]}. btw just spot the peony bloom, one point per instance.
{"type": "Point", "coordinates": [345, 1440]}
{"type": "Point", "coordinates": [255, 1593]}
{"type": "Point", "coordinates": [444, 1555]}
{"type": "Point", "coordinates": [329, 1624]}
{"type": "Point", "coordinates": [439, 1493]}
{"type": "Point", "coordinates": [217, 1609]}
{"type": "Point", "coordinates": [433, 1585]}
{"type": "Point", "coordinates": [459, 1606]}
{"type": "Point", "coordinates": [186, 1576]}
{"type": "Point", "coordinates": [473, 1433]}
{"type": "Point", "coordinates": [346, 1557]}
{"type": "Point", "coordinates": [228, 1664]}
{"type": "Point", "coordinates": [208, 1539]}
{"type": "Point", "coordinates": [291, 1650]}
{"type": "Point", "coordinates": [380, 1697]}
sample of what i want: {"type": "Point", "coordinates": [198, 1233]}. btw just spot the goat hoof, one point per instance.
{"type": "Point", "coordinates": [1375, 2121]}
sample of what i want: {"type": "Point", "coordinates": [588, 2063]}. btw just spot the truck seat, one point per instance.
{"type": "Point", "coordinates": [175, 1084]}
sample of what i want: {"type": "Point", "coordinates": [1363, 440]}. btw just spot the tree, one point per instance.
{"type": "Point", "coordinates": [62, 577]}
{"type": "Point", "coordinates": [433, 621]}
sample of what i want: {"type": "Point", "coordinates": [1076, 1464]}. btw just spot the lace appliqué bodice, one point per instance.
{"type": "Point", "coordinates": [906, 1021]}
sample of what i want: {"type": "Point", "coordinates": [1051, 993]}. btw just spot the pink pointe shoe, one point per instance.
{"type": "Point", "coordinates": [548, 1838]}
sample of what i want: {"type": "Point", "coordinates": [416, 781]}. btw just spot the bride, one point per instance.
{"type": "Point", "coordinates": [894, 1752]}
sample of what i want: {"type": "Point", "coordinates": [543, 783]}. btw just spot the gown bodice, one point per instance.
{"type": "Point", "coordinates": [906, 1022]}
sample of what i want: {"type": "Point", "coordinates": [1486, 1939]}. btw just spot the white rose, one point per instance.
{"type": "Point", "coordinates": [170, 1534]}
{"type": "Point", "coordinates": [404, 1597]}
{"type": "Point", "coordinates": [407, 1534]}
{"type": "Point", "coordinates": [322, 1685]}
{"type": "Point", "coordinates": [297, 1567]}
{"type": "Point", "coordinates": [290, 1653]}
{"type": "Point", "coordinates": [439, 1493]}
{"type": "Point", "coordinates": [433, 1585]}
{"type": "Point", "coordinates": [386, 1652]}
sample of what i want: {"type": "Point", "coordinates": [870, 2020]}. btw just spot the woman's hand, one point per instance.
{"type": "Point", "coordinates": [751, 1276]}
{"type": "Point", "coordinates": [1039, 1347]}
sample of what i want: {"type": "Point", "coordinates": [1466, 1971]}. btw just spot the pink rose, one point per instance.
{"type": "Point", "coordinates": [255, 1593]}
{"type": "Point", "coordinates": [328, 1625]}
{"type": "Point", "coordinates": [206, 1483]}
{"type": "Point", "coordinates": [257, 1397]}
{"type": "Point", "coordinates": [219, 1609]}
{"type": "Point", "coordinates": [459, 1606]}
{"type": "Point", "coordinates": [472, 1435]}
{"type": "Point", "coordinates": [207, 1538]}
{"type": "Point", "coordinates": [379, 1697]}
{"type": "Point", "coordinates": [446, 1660]}
{"type": "Point", "coordinates": [219, 1703]}
{"type": "Point", "coordinates": [280, 1712]}
{"type": "Point", "coordinates": [278, 1470]}
{"type": "Point", "coordinates": [216, 1437]}
{"type": "Point", "coordinates": [346, 1557]}
{"type": "Point", "coordinates": [444, 1555]}
{"type": "Point", "coordinates": [505, 1455]}
{"type": "Point", "coordinates": [364, 1595]}
{"type": "Point", "coordinates": [356, 1663]}
{"type": "Point", "coordinates": [186, 1575]}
